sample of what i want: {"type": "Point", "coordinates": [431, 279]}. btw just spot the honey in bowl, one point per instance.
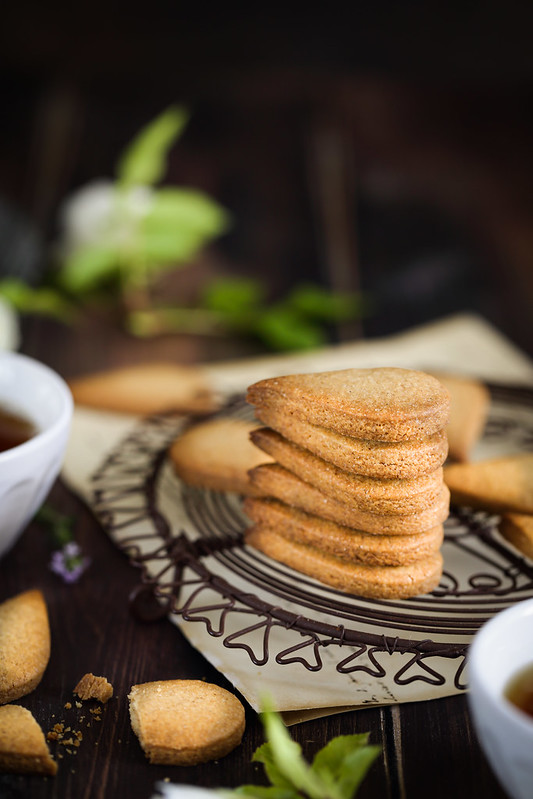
{"type": "Point", "coordinates": [519, 690]}
{"type": "Point", "coordinates": [14, 429]}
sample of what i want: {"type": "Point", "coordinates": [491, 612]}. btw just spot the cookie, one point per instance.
{"type": "Point", "coordinates": [500, 484]}
{"type": "Point", "coordinates": [185, 722]}
{"type": "Point", "coordinates": [342, 542]}
{"type": "Point", "coordinates": [217, 454]}
{"type": "Point", "coordinates": [24, 644]}
{"type": "Point", "coordinates": [383, 460]}
{"type": "Point", "coordinates": [517, 528]}
{"type": "Point", "coordinates": [272, 480]}
{"type": "Point", "coordinates": [394, 496]}
{"type": "Point", "coordinates": [380, 582]}
{"type": "Point", "coordinates": [470, 402]}
{"type": "Point", "coordinates": [385, 404]}
{"type": "Point", "coordinates": [145, 389]}
{"type": "Point", "coordinates": [23, 748]}
{"type": "Point", "coordinates": [91, 687]}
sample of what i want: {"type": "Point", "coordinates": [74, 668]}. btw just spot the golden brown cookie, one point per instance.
{"type": "Point", "coordinates": [342, 542]}
{"type": "Point", "coordinates": [470, 402]}
{"type": "Point", "coordinates": [382, 582]}
{"type": "Point", "coordinates": [394, 496]}
{"type": "Point", "coordinates": [145, 389]}
{"type": "Point", "coordinates": [518, 529]}
{"type": "Point", "coordinates": [384, 404]}
{"type": "Point", "coordinates": [273, 480]}
{"type": "Point", "coordinates": [382, 460]}
{"type": "Point", "coordinates": [217, 454]}
{"type": "Point", "coordinates": [24, 644]}
{"type": "Point", "coordinates": [185, 722]}
{"type": "Point", "coordinates": [501, 484]}
{"type": "Point", "coordinates": [23, 748]}
{"type": "Point", "coordinates": [91, 687]}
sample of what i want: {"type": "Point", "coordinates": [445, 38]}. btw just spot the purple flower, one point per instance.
{"type": "Point", "coordinates": [68, 562]}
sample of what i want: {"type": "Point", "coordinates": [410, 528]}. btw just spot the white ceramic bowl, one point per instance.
{"type": "Point", "coordinates": [502, 648]}
{"type": "Point", "coordinates": [32, 390]}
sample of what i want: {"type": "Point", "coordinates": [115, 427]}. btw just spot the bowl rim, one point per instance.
{"type": "Point", "coordinates": [480, 686]}
{"type": "Point", "coordinates": [42, 437]}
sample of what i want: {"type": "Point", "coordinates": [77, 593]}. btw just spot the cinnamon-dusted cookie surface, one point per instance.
{"type": "Point", "coordinates": [385, 404]}
{"type": "Point", "coordinates": [377, 459]}
{"type": "Point", "coordinates": [23, 748]}
{"type": "Point", "coordinates": [217, 454]}
{"type": "Point", "coordinates": [24, 644]}
{"type": "Point", "coordinates": [273, 480]}
{"type": "Point", "coordinates": [379, 582]}
{"type": "Point", "coordinates": [185, 722]}
{"type": "Point", "coordinates": [383, 496]}
{"type": "Point", "coordinates": [343, 542]}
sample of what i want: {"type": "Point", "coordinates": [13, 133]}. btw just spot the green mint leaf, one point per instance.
{"type": "Point", "coordinates": [178, 224]}
{"type": "Point", "coordinates": [186, 208]}
{"type": "Point", "coordinates": [332, 755]}
{"type": "Point", "coordinates": [355, 768]}
{"type": "Point", "coordinates": [287, 755]}
{"type": "Point", "coordinates": [237, 299]}
{"type": "Point", "coordinates": [265, 755]}
{"type": "Point", "coordinates": [343, 763]}
{"type": "Point", "coordinates": [86, 268]}
{"type": "Point", "coordinates": [159, 250]}
{"type": "Point", "coordinates": [262, 792]}
{"type": "Point", "coordinates": [144, 160]}
{"type": "Point", "coordinates": [283, 329]}
{"type": "Point", "coordinates": [319, 303]}
{"type": "Point", "coordinates": [42, 300]}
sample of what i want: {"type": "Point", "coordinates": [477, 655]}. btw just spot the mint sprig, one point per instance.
{"type": "Point", "coordinates": [239, 306]}
{"type": "Point", "coordinates": [144, 160]}
{"type": "Point", "coordinates": [336, 771]}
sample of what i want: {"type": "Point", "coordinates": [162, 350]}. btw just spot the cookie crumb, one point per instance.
{"type": "Point", "coordinates": [92, 687]}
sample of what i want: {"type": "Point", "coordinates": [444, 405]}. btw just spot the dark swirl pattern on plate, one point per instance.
{"type": "Point", "coordinates": [275, 614]}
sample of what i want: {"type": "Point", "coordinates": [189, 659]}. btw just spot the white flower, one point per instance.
{"type": "Point", "coordinates": [100, 214]}
{"type": "Point", "coordinates": [168, 790]}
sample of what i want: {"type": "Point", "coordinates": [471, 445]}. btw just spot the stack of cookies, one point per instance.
{"type": "Point", "coordinates": [355, 495]}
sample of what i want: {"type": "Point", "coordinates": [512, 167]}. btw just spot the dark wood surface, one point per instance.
{"type": "Point", "coordinates": [429, 749]}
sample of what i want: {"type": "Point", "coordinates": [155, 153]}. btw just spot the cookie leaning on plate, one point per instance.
{"type": "Point", "coordinates": [469, 409]}
{"type": "Point", "coordinates": [499, 484]}
{"type": "Point", "coordinates": [146, 388]}
{"type": "Point", "coordinates": [185, 722]}
{"type": "Point", "coordinates": [217, 454]}
{"type": "Point", "coordinates": [385, 404]}
{"type": "Point", "coordinates": [517, 528]}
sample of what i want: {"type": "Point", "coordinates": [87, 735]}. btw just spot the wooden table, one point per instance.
{"type": "Point", "coordinates": [429, 749]}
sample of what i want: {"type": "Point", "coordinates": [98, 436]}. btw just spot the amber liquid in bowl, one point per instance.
{"type": "Point", "coordinates": [14, 430]}
{"type": "Point", "coordinates": [519, 690]}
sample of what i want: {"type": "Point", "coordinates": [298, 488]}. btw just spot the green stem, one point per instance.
{"type": "Point", "coordinates": [196, 321]}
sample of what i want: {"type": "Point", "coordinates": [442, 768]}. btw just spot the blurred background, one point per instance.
{"type": "Point", "coordinates": [386, 150]}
